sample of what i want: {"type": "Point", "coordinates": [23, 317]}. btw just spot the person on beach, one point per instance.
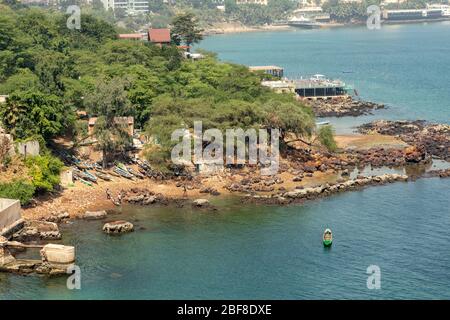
{"type": "Point", "coordinates": [184, 191]}
{"type": "Point", "coordinates": [108, 194]}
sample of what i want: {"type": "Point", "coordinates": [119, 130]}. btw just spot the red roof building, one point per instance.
{"type": "Point", "coordinates": [159, 36]}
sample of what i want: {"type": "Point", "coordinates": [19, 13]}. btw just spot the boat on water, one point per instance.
{"type": "Point", "coordinates": [327, 238]}
{"type": "Point", "coordinates": [305, 23]}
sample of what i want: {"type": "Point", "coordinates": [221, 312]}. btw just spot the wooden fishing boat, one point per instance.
{"type": "Point", "coordinates": [86, 182]}
{"type": "Point", "coordinates": [103, 176]}
{"type": "Point", "coordinates": [89, 176]}
{"type": "Point", "coordinates": [123, 173]}
{"type": "Point", "coordinates": [121, 166]}
{"type": "Point", "coordinates": [135, 173]}
{"type": "Point", "coordinates": [113, 173]}
{"type": "Point", "coordinates": [327, 238]}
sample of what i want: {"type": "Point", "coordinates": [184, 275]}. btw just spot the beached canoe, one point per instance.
{"type": "Point", "coordinates": [103, 176]}
{"type": "Point", "coordinates": [123, 173]}
{"type": "Point", "coordinates": [327, 238]}
{"type": "Point", "coordinates": [89, 176]}
{"type": "Point", "coordinates": [135, 173]}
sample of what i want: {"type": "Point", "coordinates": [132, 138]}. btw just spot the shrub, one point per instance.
{"type": "Point", "coordinates": [44, 171]}
{"type": "Point", "coordinates": [19, 189]}
{"type": "Point", "coordinates": [326, 138]}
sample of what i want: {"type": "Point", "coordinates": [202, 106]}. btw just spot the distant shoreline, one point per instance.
{"type": "Point", "coordinates": [230, 28]}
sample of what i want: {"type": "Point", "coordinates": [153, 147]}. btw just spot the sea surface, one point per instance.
{"type": "Point", "coordinates": [270, 252]}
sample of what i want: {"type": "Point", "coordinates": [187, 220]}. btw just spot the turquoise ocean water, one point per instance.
{"type": "Point", "coordinates": [270, 252]}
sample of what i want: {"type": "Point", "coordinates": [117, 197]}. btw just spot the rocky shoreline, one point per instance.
{"type": "Point", "coordinates": [343, 107]}
{"type": "Point", "coordinates": [431, 137]}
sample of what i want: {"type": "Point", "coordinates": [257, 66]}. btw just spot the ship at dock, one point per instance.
{"type": "Point", "coordinates": [304, 23]}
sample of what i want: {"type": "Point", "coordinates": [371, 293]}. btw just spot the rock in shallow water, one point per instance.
{"type": "Point", "coordinates": [117, 227]}
{"type": "Point", "coordinates": [94, 215]}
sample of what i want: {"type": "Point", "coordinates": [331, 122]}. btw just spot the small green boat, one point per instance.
{"type": "Point", "coordinates": [327, 238]}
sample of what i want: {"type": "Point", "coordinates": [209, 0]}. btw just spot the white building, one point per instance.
{"type": "Point", "coordinates": [132, 7]}
{"type": "Point", "coordinates": [261, 2]}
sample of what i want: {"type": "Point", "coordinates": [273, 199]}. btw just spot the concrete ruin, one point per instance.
{"type": "Point", "coordinates": [55, 258]}
{"type": "Point", "coordinates": [10, 217]}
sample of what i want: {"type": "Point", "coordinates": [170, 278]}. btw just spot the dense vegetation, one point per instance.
{"type": "Point", "coordinates": [208, 14]}
{"type": "Point", "coordinates": [50, 72]}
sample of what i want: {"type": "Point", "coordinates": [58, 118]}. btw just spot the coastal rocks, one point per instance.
{"type": "Point", "coordinates": [327, 189]}
{"type": "Point", "coordinates": [433, 138]}
{"type": "Point", "coordinates": [378, 157]}
{"type": "Point", "coordinates": [201, 203]}
{"type": "Point", "coordinates": [35, 230]}
{"type": "Point", "coordinates": [94, 215]}
{"type": "Point", "coordinates": [117, 227]}
{"type": "Point", "coordinates": [210, 190]}
{"type": "Point", "coordinates": [58, 217]}
{"type": "Point", "coordinates": [444, 173]}
{"type": "Point", "coordinates": [341, 107]}
{"type": "Point", "coordinates": [144, 197]}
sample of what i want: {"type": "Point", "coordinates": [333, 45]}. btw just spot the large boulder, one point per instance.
{"type": "Point", "coordinates": [201, 203]}
{"type": "Point", "coordinates": [38, 230]}
{"type": "Point", "coordinates": [117, 227]}
{"type": "Point", "coordinates": [94, 215]}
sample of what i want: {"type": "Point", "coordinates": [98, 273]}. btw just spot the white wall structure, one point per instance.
{"type": "Point", "coordinates": [29, 148]}
{"type": "Point", "coordinates": [132, 7]}
{"type": "Point", "coordinates": [9, 214]}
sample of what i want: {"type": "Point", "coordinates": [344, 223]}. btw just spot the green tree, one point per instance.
{"type": "Point", "coordinates": [28, 113]}
{"type": "Point", "coordinates": [108, 102]}
{"type": "Point", "coordinates": [326, 137]}
{"type": "Point", "coordinates": [185, 29]}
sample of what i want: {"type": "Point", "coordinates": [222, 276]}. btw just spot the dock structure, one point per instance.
{"type": "Point", "coordinates": [272, 70]}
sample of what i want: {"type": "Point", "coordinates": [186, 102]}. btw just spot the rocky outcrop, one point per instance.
{"type": "Point", "coordinates": [325, 190]}
{"type": "Point", "coordinates": [341, 107]}
{"type": "Point", "coordinates": [379, 157]}
{"type": "Point", "coordinates": [144, 197]}
{"type": "Point", "coordinates": [201, 203]}
{"type": "Point", "coordinates": [35, 230]}
{"type": "Point", "coordinates": [94, 215]}
{"type": "Point", "coordinates": [58, 217]}
{"type": "Point", "coordinates": [433, 138]}
{"type": "Point", "coordinates": [118, 227]}
{"type": "Point", "coordinates": [443, 173]}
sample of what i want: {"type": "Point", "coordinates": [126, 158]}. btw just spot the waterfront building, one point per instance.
{"type": "Point", "coordinates": [319, 87]}
{"type": "Point", "coordinates": [280, 86]}
{"type": "Point", "coordinates": [412, 14]}
{"type": "Point", "coordinates": [310, 13]}
{"type": "Point", "coordinates": [272, 70]}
